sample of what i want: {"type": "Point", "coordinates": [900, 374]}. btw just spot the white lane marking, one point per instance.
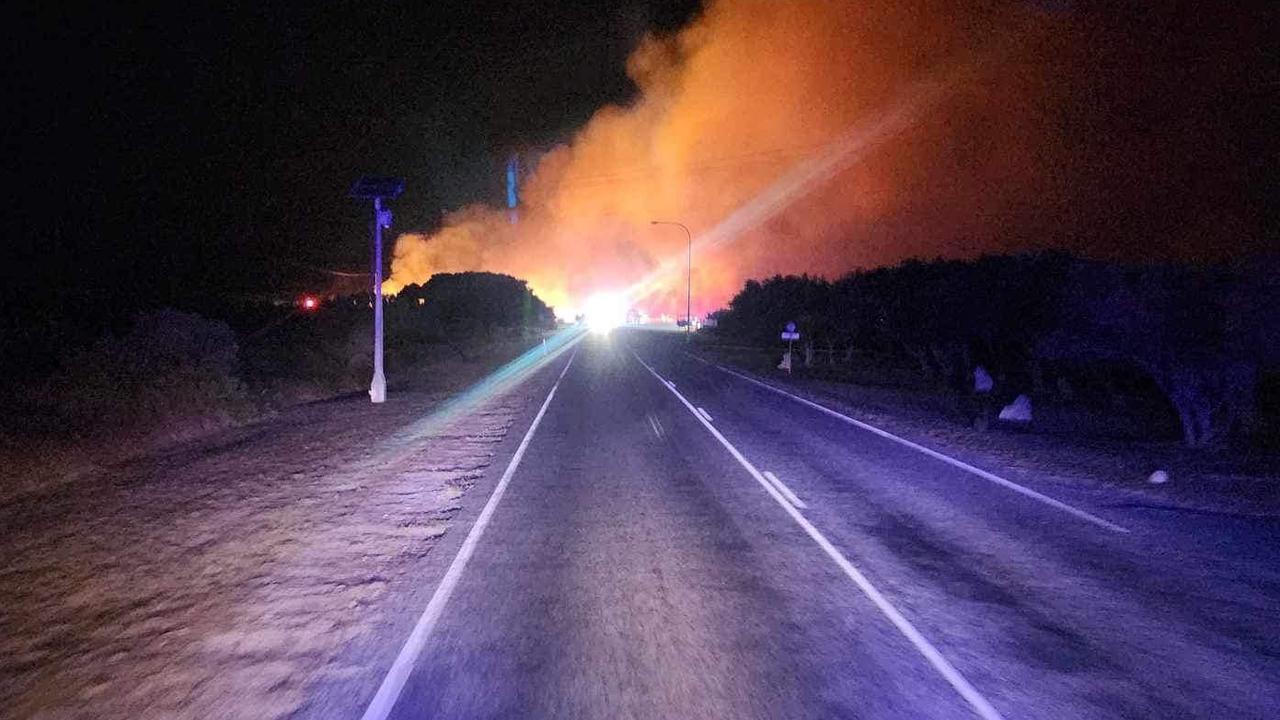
{"type": "Point", "coordinates": [654, 425]}
{"type": "Point", "coordinates": [980, 705]}
{"type": "Point", "coordinates": [705, 414]}
{"type": "Point", "coordinates": [1008, 484]}
{"type": "Point", "coordinates": [389, 692]}
{"type": "Point", "coordinates": [786, 491]}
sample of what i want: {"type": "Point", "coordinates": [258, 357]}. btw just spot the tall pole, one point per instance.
{"type": "Point", "coordinates": [688, 298]}
{"type": "Point", "coordinates": [377, 188]}
{"type": "Point", "coordinates": [688, 307]}
{"type": "Point", "coordinates": [378, 387]}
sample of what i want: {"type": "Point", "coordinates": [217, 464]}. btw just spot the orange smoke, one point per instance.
{"type": "Point", "coordinates": [790, 137]}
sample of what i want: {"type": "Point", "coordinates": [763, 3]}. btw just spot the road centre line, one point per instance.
{"type": "Point", "coordinates": [992, 477]}
{"type": "Point", "coordinates": [966, 690]}
{"type": "Point", "coordinates": [393, 683]}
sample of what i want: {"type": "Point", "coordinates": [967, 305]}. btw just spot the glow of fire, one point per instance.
{"type": "Point", "coordinates": [795, 184]}
{"type": "Point", "coordinates": [605, 311]}
{"type": "Point", "coordinates": [602, 309]}
{"type": "Point", "coordinates": [758, 178]}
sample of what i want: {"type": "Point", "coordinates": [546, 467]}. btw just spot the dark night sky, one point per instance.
{"type": "Point", "coordinates": [158, 153]}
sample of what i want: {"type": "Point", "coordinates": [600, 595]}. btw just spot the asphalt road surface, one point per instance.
{"type": "Point", "coordinates": [675, 541]}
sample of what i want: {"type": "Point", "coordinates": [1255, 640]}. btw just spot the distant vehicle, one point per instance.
{"type": "Point", "coordinates": [682, 322]}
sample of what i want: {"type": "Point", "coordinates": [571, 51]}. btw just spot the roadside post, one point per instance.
{"type": "Point", "coordinates": [790, 335]}
{"type": "Point", "coordinates": [377, 189]}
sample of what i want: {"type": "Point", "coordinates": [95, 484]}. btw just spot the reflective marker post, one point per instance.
{"type": "Point", "coordinates": [376, 189]}
{"type": "Point", "coordinates": [790, 335]}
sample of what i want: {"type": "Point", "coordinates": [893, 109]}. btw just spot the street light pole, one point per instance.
{"type": "Point", "coordinates": [378, 386]}
{"type": "Point", "coordinates": [378, 189]}
{"type": "Point", "coordinates": [688, 307]}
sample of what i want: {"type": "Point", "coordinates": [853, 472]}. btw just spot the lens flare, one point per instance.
{"type": "Point", "coordinates": [407, 442]}
{"type": "Point", "coordinates": [606, 311]}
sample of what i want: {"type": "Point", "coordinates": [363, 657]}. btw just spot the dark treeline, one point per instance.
{"type": "Point", "coordinates": [1208, 338]}
{"type": "Point", "coordinates": [450, 314]}
{"type": "Point", "coordinates": [468, 302]}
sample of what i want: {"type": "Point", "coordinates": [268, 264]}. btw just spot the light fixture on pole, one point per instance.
{"type": "Point", "coordinates": [688, 308]}
{"type": "Point", "coordinates": [377, 189]}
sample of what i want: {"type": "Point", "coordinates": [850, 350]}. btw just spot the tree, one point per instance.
{"type": "Point", "coordinates": [466, 303]}
{"type": "Point", "coordinates": [1176, 324]}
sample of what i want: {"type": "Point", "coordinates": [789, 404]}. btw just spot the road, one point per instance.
{"type": "Point", "coordinates": [639, 561]}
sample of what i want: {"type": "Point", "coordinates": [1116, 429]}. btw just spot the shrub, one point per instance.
{"type": "Point", "coordinates": [169, 369]}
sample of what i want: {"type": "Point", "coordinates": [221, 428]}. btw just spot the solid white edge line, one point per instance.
{"type": "Point", "coordinates": [384, 701]}
{"type": "Point", "coordinates": [980, 705]}
{"type": "Point", "coordinates": [786, 491]}
{"type": "Point", "coordinates": [1007, 484]}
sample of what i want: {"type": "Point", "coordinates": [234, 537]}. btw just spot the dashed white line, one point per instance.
{"type": "Point", "coordinates": [389, 691]}
{"type": "Point", "coordinates": [786, 491]}
{"type": "Point", "coordinates": [992, 477]}
{"type": "Point", "coordinates": [655, 425]}
{"type": "Point", "coordinates": [705, 414]}
{"type": "Point", "coordinates": [962, 686]}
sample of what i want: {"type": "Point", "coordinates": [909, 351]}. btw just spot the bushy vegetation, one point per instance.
{"type": "Point", "coordinates": [173, 374]}
{"type": "Point", "coordinates": [469, 303]}
{"type": "Point", "coordinates": [1204, 336]}
{"type": "Point", "coordinates": [458, 313]}
{"type": "Point", "coordinates": [168, 370]}
{"type": "Point", "coordinates": [452, 315]}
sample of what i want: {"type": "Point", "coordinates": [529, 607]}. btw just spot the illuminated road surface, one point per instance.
{"type": "Point", "coordinates": [637, 566]}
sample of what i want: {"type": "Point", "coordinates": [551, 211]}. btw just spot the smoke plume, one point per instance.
{"type": "Point", "coordinates": [821, 137]}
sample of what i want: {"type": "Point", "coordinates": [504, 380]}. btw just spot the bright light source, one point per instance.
{"type": "Point", "coordinates": [605, 311]}
{"type": "Point", "coordinates": [309, 302]}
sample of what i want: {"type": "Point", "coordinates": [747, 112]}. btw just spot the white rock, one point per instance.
{"type": "Point", "coordinates": [1158, 477]}
{"type": "Point", "coordinates": [1017, 411]}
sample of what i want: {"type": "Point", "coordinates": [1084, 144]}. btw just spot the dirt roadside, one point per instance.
{"type": "Point", "coordinates": [222, 578]}
{"type": "Point", "coordinates": [1227, 481]}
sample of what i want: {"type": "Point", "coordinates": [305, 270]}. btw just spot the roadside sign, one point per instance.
{"type": "Point", "coordinates": [790, 335]}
